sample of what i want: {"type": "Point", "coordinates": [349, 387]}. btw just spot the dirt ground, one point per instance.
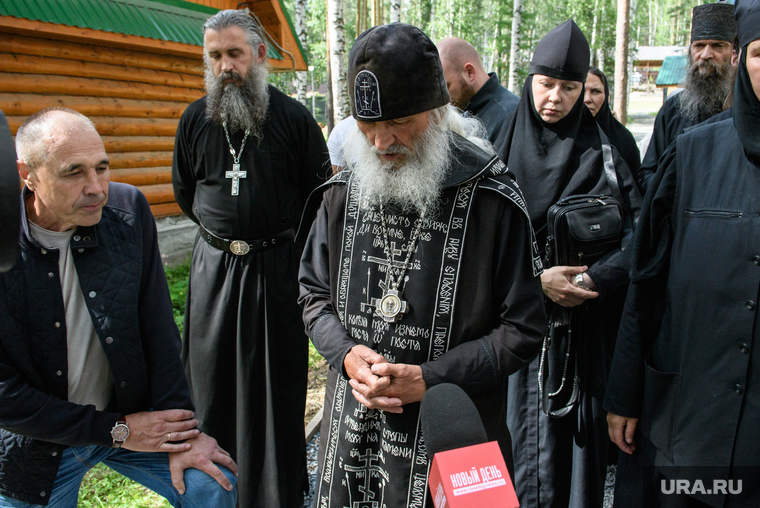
{"type": "Point", "coordinates": [315, 390]}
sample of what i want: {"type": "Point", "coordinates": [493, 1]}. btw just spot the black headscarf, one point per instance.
{"type": "Point", "coordinates": [551, 161]}
{"type": "Point", "coordinates": [746, 110]}
{"type": "Point", "coordinates": [619, 136]}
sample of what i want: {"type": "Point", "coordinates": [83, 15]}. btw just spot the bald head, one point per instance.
{"type": "Point", "coordinates": [458, 52]}
{"type": "Point", "coordinates": [63, 163]}
{"type": "Point", "coordinates": [462, 69]}
{"type": "Point", "coordinates": [39, 131]}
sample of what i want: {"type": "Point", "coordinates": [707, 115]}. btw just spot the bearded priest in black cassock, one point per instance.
{"type": "Point", "coordinates": [246, 158]}
{"type": "Point", "coordinates": [708, 81]}
{"type": "Point", "coordinates": [421, 268]}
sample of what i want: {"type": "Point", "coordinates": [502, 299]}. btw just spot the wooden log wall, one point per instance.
{"type": "Point", "coordinates": [135, 98]}
{"type": "Point", "coordinates": [274, 19]}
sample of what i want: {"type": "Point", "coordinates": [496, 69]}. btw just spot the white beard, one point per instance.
{"type": "Point", "coordinates": [414, 185]}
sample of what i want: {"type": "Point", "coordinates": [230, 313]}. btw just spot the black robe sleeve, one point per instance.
{"type": "Point", "coordinates": [316, 169]}
{"type": "Point", "coordinates": [183, 179]}
{"type": "Point", "coordinates": [323, 326]}
{"type": "Point", "coordinates": [645, 301]}
{"type": "Point", "coordinates": [515, 341]}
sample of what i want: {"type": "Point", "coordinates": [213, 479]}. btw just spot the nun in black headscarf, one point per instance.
{"type": "Point", "coordinates": [597, 100]}
{"type": "Point", "coordinates": [684, 391]}
{"type": "Point", "coordinates": [556, 149]}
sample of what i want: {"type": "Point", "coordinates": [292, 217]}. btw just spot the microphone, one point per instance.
{"type": "Point", "coordinates": [467, 471]}
{"type": "Point", "coordinates": [10, 213]}
{"type": "Point", "coordinates": [450, 419]}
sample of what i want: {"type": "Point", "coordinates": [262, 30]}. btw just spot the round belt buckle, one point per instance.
{"type": "Point", "coordinates": [239, 247]}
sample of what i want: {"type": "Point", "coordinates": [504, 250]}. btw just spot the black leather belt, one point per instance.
{"type": "Point", "coordinates": [241, 247]}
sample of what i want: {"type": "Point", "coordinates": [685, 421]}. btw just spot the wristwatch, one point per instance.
{"type": "Point", "coordinates": [120, 432]}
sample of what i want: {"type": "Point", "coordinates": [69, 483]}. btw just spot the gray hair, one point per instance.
{"type": "Point", "coordinates": [231, 17]}
{"type": "Point", "coordinates": [31, 146]}
{"type": "Point", "coordinates": [469, 127]}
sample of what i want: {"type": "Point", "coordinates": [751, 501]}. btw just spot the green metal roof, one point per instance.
{"type": "Point", "coordinates": [673, 71]}
{"type": "Point", "coordinates": [167, 20]}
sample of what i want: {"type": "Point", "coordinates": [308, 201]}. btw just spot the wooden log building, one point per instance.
{"type": "Point", "coordinates": [132, 66]}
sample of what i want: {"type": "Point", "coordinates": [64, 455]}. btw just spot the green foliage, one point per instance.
{"type": "Point", "coordinates": [177, 277]}
{"type": "Point", "coordinates": [314, 357]}
{"type": "Point", "coordinates": [103, 487]}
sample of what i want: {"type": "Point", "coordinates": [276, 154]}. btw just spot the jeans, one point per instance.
{"type": "Point", "coordinates": [148, 469]}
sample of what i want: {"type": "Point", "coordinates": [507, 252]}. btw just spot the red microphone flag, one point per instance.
{"type": "Point", "coordinates": [472, 477]}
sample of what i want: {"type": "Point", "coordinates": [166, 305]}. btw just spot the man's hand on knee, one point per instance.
{"type": "Point", "coordinates": [159, 431]}
{"type": "Point", "coordinates": [204, 454]}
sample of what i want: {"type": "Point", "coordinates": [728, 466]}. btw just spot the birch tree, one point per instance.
{"type": "Point", "coordinates": [336, 29]}
{"type": "Point", "coordinates": [621, 60]}
{"type": "Point", "coordinates": [514, 52]}
{"type": "Point", "coordinates": [395, 11]}
{"type": "Point", "coordinates": [300, 26]}
{"type": "Point", "coordinates": [329, 109]}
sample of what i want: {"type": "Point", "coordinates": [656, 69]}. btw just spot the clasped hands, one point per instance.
{"type": "Point", "coordinates": [174, 431]}
{"type": "Point", "coordinates": [379, 384]}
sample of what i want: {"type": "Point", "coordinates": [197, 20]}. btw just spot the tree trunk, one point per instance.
{"type": "Point", "coordinates": [377, 12]}
{"type": "Point", "coordinates": [594, 37]}
{"type": "Point", "coordinates": [301, 76]}
{"type": "Point", "coordinates": [515, 48]}
{"type": "Point", "coordinates": [621, 60]}
{"type": "Point", "coordinates": [602, 51]}
{"type": "Point", "coordinates": [329, 110]}
{"type": "Point", "coordinates": [341, 105]}
{"type": "Point", "coordinates": [395, 11]}
{"type": "Point", "coordinates": [361, 16]}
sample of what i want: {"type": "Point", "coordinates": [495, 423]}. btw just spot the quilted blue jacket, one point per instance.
{"type": "Point", "coordinates": [122, 278]}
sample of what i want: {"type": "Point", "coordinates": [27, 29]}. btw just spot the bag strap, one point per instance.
{"type": "Point", "coordinates": [543, 368]}
{"type": "Point", "coordinates": [609, 168]}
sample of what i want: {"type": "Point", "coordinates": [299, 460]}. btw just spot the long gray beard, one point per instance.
{"type": "Point", "coordinates": [243, 107]}
{"type": "Point", "coordinates": [704, 94]}
{"type": "Point", "coordinates": [412, 186]}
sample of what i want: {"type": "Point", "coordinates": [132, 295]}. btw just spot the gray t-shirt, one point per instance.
{"type": "Point", "coordinates": [89, 374]}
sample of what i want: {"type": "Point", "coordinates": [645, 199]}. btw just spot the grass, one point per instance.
{"type": "Point", "coordinates": [177, 277]}
{"type": "Point", "coordinates": [103, 487]}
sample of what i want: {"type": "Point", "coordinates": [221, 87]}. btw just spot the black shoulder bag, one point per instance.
{"type": "Point", "coordinates": [581, 230]}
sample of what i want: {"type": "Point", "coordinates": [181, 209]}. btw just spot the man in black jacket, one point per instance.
{"type": "Point", "coordinates": [472, 89]}
{"type": "Point", "coordinates": [89, 352]}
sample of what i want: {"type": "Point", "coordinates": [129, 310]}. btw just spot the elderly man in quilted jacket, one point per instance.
{"type": "Point", "coordinates": [89, 352]}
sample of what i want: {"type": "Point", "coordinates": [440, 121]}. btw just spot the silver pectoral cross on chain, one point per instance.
{"type": "Point", "coordinates": [235, 174]}
{"type": "Point", "coordinates": [391, 307]}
